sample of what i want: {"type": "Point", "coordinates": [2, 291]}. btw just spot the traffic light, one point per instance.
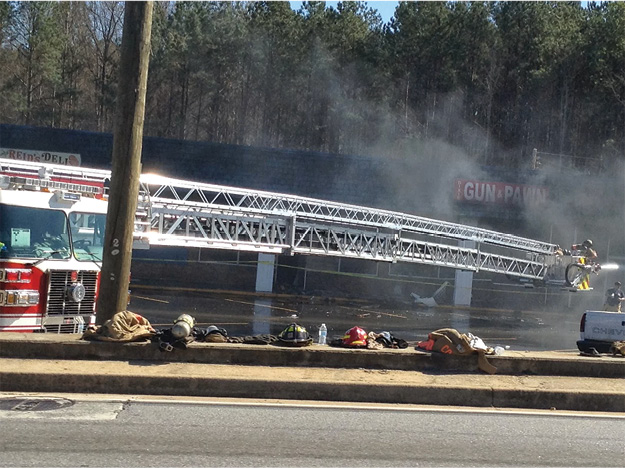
{"type": "Point", "coordinates": [536, 163]}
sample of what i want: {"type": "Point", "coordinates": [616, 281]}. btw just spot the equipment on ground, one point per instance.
{"type": "Point", "coordinates": [182, 326]}
{"type": "Point", "coordinates": [295, 335]}
{"type": "Point", "coordinates": [355, 337]}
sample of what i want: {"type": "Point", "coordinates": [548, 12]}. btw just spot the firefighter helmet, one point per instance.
{"type": "Point", "coordinates": [587, 243]}
{"type": "Point", "coordinates": [295, 335]}
{"type": "Point", "coordinates": [215, 329]}
{"type": "Point", "coordinates": [355, 337]}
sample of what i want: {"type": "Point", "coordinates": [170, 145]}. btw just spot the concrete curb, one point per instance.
{"type": "Point", "coordinates": [514, 363]}
{"type": "Point", "coordinates": [314, 390]}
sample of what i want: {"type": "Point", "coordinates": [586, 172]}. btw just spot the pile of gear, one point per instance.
{"type": "Point", "coordinates": [451, 341]}
{"type": "Point", "coordinates": [123, 327]}
{"type": "Point", "coordinates": [127, 326]}
{"type": "Point", "coordinates": [357, 337]}
{"type": "Point", "coordinates": [184, 332]}
{"type": "Point", "coordinates": [618, 348]}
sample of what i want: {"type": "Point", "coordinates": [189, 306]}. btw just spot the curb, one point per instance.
{"type": "Point", "coordinates": [314, 390]}
{"type": "Point", "coordinates": [71, 347]}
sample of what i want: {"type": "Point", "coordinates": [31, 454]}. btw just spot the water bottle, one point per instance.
{"type": "Point", "coordinates": [323, 333]}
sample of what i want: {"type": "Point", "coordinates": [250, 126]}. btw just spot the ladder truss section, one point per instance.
{"type": "Point", "coordinates": [213, 229]}
{"type": "Point", "coordinates": [162, 190]}
{"type": "Point", "coordinates": [319, 239]}
{"type": "Point", "coordinates": [182, 213]}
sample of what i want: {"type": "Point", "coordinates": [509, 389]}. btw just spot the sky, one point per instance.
{"type": "Point", "coordinates": [385, 8]}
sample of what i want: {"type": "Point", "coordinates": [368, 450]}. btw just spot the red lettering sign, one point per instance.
{"type": "Point", "coordinates": [41, 156]}
{"type": "Point", "coordinates": [499, 193]}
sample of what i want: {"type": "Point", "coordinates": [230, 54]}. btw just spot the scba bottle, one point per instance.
{"type": "Point", "coordinates": [323, 334]}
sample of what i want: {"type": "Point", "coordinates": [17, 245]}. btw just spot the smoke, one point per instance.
{"type": "Point", "coordinates": [416, 175]}
{"type": "Point", "coordinates": [581, 205]}
{"type": "Point", "coordinates": [419, 152]}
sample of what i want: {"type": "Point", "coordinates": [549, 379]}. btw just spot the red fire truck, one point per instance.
{"type": "Point", "coordinates": [52, 223]}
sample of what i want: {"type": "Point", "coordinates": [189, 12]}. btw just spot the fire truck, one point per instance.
{"type": "Point", "coordinates": [51, 233]}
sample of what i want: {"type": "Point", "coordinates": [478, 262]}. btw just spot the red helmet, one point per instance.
{"type": "Point", "coordinates": [355, 337]}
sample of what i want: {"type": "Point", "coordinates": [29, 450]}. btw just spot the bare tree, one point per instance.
{"type": "Point", "coordinates": [105, 21]}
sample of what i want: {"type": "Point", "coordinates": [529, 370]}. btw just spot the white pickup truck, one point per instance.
{"type": "Point", "coordinates": [599, 329]}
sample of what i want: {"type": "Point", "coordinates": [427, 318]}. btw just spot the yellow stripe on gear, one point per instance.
{"type": "Point", "coordinates": [585, 284]}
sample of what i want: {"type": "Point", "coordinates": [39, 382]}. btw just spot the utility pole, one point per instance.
{"type": "Point", "coordinates": [127, 144]}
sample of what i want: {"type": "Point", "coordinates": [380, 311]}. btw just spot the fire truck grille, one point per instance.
{"type": "Point", "coordinates": [59, 300]}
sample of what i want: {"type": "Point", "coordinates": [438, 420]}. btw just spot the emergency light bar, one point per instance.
{"type": "Point", "coordinates": [27, 182]}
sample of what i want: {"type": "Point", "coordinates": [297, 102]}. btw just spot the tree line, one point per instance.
{"type": "Point", "coordinates": [492, 79]}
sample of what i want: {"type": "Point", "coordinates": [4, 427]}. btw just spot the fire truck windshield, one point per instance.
{"type": "Point", "coordinates": [33, 233]}
{"type": "Point", "coordinates": [87, 235]}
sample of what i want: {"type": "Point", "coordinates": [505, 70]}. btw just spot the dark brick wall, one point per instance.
{"type": "Point", "coordinates": [350, 179]}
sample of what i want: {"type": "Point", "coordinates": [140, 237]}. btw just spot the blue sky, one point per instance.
{"type": "Point", "coordinates": [385, 8]}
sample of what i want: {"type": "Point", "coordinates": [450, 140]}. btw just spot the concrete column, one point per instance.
{"type": "Point", "coordinates": [264, 272]}
{"type": "Point", "coordinates": [262, 317]}
{"type": "Point", "coordinates": [463, 288]}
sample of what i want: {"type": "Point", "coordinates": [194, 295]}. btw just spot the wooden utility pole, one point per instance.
{"type": "Point", "coordinates": [127, 143]}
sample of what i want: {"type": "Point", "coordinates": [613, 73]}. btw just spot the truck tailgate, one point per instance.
{"type": "Point", "coordinates": [603, 326]}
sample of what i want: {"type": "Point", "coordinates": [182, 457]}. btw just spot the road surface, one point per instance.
{"type": "Point", "coordinates": [201, 432]}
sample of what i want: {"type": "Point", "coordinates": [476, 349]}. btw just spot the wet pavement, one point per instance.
{"type": "Point", "coordinates": [245, 314]}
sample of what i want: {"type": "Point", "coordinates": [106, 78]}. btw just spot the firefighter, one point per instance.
{"type": "Point", "coordinates": [613, 298]}
{"type": "Point", "coordinates": [586, 250]}
{"type": "Point", "coordinates": [588, 256]}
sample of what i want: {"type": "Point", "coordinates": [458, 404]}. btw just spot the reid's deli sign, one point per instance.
{"type": "Point", "coordinates": [499, 193]}
{"type": "Point", "coordinates": [52, 157]}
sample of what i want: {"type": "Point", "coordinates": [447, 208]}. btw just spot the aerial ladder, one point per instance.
{"type": "Point", "coordinates": [174, 212]}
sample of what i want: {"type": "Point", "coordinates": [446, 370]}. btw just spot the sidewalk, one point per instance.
{"type": "Point", "coordinates": [541, 380]}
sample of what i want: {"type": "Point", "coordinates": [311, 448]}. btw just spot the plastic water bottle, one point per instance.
{"type": "Point", "coordinates": [323, 334]}
{"type": "Point", "coordinates": [498, 350]}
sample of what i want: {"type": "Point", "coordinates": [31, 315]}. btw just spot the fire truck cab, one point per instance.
{"type": "Point", "coordinates": [52, 231]}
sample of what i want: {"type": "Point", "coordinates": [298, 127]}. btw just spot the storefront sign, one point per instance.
{"type": "Point", "coordinates": [499, 193]}
{"type": "Point", "coordinates": [67, 159]}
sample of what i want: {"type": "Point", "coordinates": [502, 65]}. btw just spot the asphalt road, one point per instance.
{"type": "Point", "coordinates": [137, 434]}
